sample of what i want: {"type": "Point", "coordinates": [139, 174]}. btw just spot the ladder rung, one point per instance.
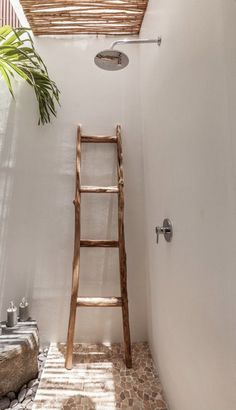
{"type": "Point", "coordinates": [99, 189]}
{"type": "Point", "coordinates": [99, 301]}
{"type": "Point", "coordinates": [98, 138]}
{"type": "Point", "coordinates": [98, 243]}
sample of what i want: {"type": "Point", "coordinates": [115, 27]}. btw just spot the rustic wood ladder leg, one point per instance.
{"type": "Point", "coordinates": [112, 301]}
{"type": "Point", "coordinates": [76, 258]}
{"type": "Point", "coordinates": [122, 252]}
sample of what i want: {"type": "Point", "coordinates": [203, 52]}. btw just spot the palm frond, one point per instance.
{"type": "Point", "coordinates": [18, 56]}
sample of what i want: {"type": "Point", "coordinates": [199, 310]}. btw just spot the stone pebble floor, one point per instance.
{"type": "Point", "coordinates": [100, 380]}
{"type": "Point", "coordinates": [23, 399]}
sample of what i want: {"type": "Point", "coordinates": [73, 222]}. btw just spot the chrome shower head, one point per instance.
{"type": "Point", "coordinates": [113, 60]}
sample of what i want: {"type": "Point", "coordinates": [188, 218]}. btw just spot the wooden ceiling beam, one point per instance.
{"type": "Point", "coordinates": [84, 16]}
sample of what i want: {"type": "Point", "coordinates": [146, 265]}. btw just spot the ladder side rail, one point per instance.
{"type": "Point", "coordinates": [122, 252]}
{"type": "Point", "coordinates": [76, 257]}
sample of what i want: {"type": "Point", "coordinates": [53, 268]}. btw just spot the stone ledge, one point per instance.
{"type": "Point", "coordinates": [19, 348]}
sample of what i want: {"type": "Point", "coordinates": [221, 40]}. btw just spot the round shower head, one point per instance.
{"type": "Point", "coordinates": [111, 60]}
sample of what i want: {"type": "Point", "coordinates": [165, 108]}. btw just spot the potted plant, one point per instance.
{"type": "Point", "coordinates": [19, 57]}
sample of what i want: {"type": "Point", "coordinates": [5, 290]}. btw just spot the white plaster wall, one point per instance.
{"type": "Point", "coordinates": [37, 168]}
{"type": "Point", "coordinates": [188, 105]}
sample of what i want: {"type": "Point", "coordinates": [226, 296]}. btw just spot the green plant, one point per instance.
{"type": "Point", "coordinates": [18, 56]}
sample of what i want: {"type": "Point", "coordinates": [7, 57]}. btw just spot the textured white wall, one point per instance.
{"type": "Point", "coordinates": [188, 102]}
{"type": "Point", "coordinates": [188, 123]}
{"type": "Point", "coordinates": [37, 167]}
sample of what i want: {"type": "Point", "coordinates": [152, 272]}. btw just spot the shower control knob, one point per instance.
{"type": "Point", "coordinates": [166, 230]}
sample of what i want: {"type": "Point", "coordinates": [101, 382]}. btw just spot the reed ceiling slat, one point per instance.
{"type": "Point", "coordinates": [85, 16]}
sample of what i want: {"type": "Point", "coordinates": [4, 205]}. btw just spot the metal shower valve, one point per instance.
{"type": "Point", "coordinates": [166, 230]}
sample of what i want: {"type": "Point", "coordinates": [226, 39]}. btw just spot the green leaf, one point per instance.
{"type": "Point", "coordinates": [7, 79]}
{"type": "Point", "coordinates": [18, 56]}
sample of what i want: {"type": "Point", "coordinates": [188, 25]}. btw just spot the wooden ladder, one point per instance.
{"type": "Point", "coordinates": [120, 301]}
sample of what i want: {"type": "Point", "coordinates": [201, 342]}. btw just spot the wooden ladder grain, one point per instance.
{"type": "Point", "coordinates": [111, 301]}
{"type": "Point", "coordinates": [122, 252]}
{"type": "Point", "coordinates": [76, 258]}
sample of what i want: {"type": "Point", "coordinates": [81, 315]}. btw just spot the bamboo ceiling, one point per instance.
{"type": "Point", "coordinates": [113, 17]}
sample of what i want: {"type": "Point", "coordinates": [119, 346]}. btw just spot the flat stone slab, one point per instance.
{"type": "Point", "coordinates": [19, 347]}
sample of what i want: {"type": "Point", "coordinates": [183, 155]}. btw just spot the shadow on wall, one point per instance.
{"type": "Point", "coordinates": [37, 221]}
{"type": "Point", "coordinates": [36, 185]}
{"type": "Point", "coordinates": [7, 146]}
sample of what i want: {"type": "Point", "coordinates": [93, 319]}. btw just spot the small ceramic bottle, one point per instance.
{"type": "Point", "coordinates": [24, 310]}
{"type": "Point", "coordinates": [11, 315]}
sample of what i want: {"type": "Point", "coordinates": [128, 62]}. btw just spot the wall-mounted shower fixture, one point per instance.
{"type": "Point", "coordinates": [166, 230]}
{"type": "Point", "coordinates": [113, 60]}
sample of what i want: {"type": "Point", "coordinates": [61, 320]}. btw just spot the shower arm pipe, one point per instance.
{"type": "Point", "coordinates": [136, 41]}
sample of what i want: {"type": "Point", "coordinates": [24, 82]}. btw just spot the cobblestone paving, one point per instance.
{"type": "Point", "coordinates": [24, 398]}
{"type": "Point", "coordinates": [99, 380]}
